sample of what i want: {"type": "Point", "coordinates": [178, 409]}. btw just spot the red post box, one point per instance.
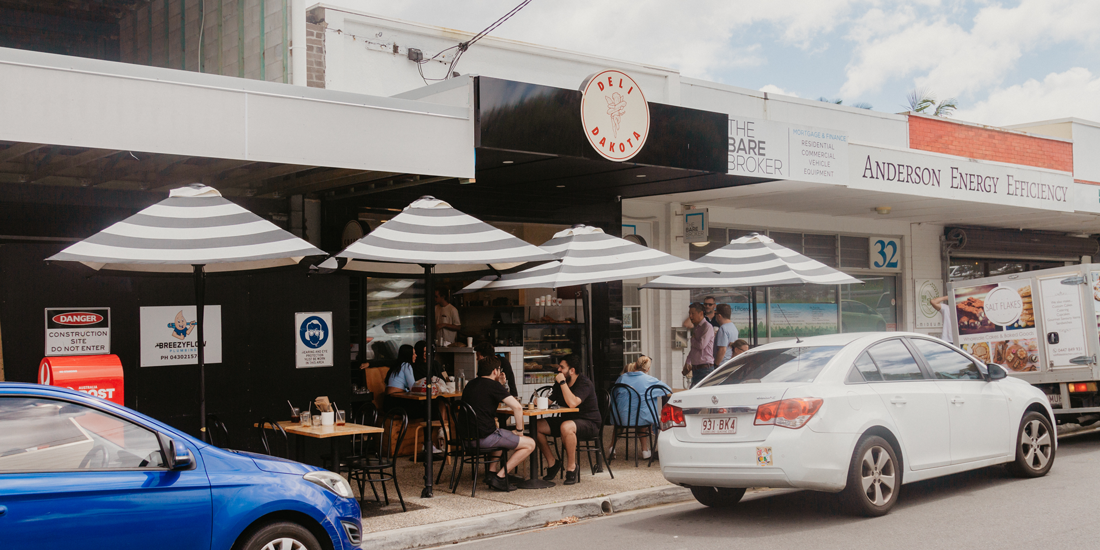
{"type": "Point", "coordinates": [97, 375]}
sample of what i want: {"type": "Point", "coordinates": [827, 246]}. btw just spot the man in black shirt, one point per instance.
{"type": "Point", "coordinates": [484, 394]}
{"type": "Point", "coordinates": [575, 391]}
{"type": "Point", "coordinates": [485, 349]}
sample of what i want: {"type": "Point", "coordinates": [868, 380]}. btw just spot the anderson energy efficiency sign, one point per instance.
{"type": "Point", "coordinates": [78, 331]}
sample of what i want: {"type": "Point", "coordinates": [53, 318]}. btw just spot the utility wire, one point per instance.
{"type": "Point", "coordinates": [463, 46]}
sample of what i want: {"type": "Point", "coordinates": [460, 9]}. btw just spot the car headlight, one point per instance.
{"type": "Point", "coordinates": [332, 482]}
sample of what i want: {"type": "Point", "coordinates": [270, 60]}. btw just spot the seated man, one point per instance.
{"type": "Point", "coordinates": [576, 391]}
{"type": "Point", "coordinates": [483, 394]}
{"type": "Point", "coordinates": [506, 376]}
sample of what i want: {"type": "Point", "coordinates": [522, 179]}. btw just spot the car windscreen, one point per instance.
{"type": "Point", "coordinates": [801, 364]}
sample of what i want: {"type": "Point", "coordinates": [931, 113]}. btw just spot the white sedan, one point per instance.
{"type": "Point", "coordinates": [856, 414]}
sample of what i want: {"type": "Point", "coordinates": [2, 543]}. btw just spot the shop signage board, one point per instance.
{"type": "Point", "coordinates": [943, 176]}
{"type": "Point", "coordinates": [997, 323]}
{"type": "Point", "coordinates": [928, 317]}
{"type": "Point", "coordinates": [769, 149]}
{"type": "Point", "coordinates": [696, 226]}
{"type": "Point", "coordinates": [614, 114]}
{"type": "Point", "coordinates": [78, 331]}
{"type": "Point", "coordinates": [168, 335]}
{"type": "Point", "coordinates": [885, 253]}
{"type": "Point", "coordinates": [313, 340]}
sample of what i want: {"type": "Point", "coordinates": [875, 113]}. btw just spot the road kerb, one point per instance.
{"type": "Point", "coordinates": [447, 532]}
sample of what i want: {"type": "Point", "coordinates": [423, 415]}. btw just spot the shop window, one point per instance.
{"type": "Point", "coordinates": [792, 241]}
{"type": "Point", "coordinates": [870, 306]}
{"type": "Point", "coordinates": [632, 324]}
{"type": "Point", "coordinates": [855, 252]}
{"type": "Point", "coordinates": [395, 317]}
{"type": "Point", "coordinates": [963, 269]}
{"type": "Point", "coordinates": [740, 308]}
{"type": "Point", "coordinates": [821, 248]}
{"type": "Point", "coordinates": [802, 310]}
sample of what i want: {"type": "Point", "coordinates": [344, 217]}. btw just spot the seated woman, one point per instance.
{"type": "Point", "coordinates": [420, 366]}
{"type": "Point", "coordinates": [639, 379]}
{"type": "Point", "coordinates": [400, 379]}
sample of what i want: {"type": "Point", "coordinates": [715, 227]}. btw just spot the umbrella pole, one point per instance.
{"type": "Point", "coordinates": [200, 299]}
{"type": "Point", "coordinates": [429, 318]}
{"type": "Point", "coordinates": [591, 361]}
{"type": "Point", "coordinates": [752, 301]}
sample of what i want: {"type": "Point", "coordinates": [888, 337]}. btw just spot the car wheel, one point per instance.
{"type": "Point", "coordinates": [874, 479]}
{"type": "Point", "coordinates": [1034, 447]}
{"type": "Point", "coordinates": [282, 536]}
{"type": "Point", "coordinates": [717, 497]}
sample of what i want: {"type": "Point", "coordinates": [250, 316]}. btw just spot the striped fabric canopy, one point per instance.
{"type": "Point", "coordinates": [588, 255]}
{"type": "Point", "coordinates": [195, 225]}
{"type": "Point", "coordinates": [431, 232]}
{"type": "Point", "coordinates": [755, 260]}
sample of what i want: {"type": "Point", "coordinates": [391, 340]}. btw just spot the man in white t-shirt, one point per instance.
{"type": "Point", "coordinates": [945, 310]}
{"type": "Point", "coordinates": [447, 321]}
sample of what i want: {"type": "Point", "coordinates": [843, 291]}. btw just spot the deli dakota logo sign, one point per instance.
{"type": "Point", "coordinates": [615, 115]}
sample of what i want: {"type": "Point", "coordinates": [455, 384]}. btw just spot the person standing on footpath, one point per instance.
{"type": "Point", "coordinates": [941, 304]}
{"type": "Point", "coordinates": [727, 333]}
{"type": "Point", "coordinates": [700, 360]}
{"type": "Point", "coordinates": [709, 303]}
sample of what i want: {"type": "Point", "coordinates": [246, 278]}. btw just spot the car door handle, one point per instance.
{"type": "Point", "coordinates": [898, 401]}
{"type": "Point", "coordinates": [3, 510]}
{"type": "Point", "coordinates": [957, 400]}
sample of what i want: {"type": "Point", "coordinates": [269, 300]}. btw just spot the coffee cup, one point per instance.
{"type": "Point", "coordinates": [543, 403]}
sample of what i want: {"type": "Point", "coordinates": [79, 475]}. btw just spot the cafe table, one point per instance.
{"type": "Point", "coordinates": [422, 397]}
{"type": "Point", "coordinates": [532, 424]}
{"type": "Point", "coordinates": [332, 433]}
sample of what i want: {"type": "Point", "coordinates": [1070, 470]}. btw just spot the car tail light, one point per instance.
{"type": "Point", "coordinates": [788, 413]}
{"type": "Point", "coordinates": [672, 417]}
{"type": "Point", "coordinates": [1078, 387]}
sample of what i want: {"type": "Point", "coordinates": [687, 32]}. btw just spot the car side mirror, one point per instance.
{"type": "Point", "coordinates": [996, 372]}
{"type": "Point", "coordinates": [176, 457]}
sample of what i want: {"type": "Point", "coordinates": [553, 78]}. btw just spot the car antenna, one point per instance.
{"type": "Point", "coordinates": [797, 340]}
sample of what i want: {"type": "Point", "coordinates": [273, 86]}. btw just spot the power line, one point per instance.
{"type": "Point", "coordinates": [463, 46]}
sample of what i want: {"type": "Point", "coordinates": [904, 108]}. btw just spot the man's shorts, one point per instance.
{"type": "Point", "coordinates": [500, 439]}
{"type": "Point", "coordinates": [586, 429]}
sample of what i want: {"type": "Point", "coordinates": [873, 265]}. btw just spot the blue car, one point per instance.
{"type": "Point", "coordinates": [79, 471]}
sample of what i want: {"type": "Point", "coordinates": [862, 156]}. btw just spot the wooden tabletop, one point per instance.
{"type": "Point", "coordinates": [323, 432]}
{"type": "Point", "coordinates": [422, 397]}
{"type": "Point", "coordinates": [539, 412]}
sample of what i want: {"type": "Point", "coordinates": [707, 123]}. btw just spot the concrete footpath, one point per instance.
{"type": "Point", "coordinates": [447, 532]}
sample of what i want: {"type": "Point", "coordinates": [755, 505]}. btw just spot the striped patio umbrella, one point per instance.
{"type": "Point", "coordinates": [194, 230]}
{"type": "Point", "coordinates": [430, 236]}
{"type": "Point", "coordinates": [588, 255]}
{"type": "Point", "coordinates": [751, 261]}
{"type": "Point", "coordinates": [754, 260]}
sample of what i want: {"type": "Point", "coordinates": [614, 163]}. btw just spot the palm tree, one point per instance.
{"type": "Point", "coordinates": [923, 101]}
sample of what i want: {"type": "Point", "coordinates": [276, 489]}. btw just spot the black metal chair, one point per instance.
{"type": "Point", "coordinates": [453, 449]}
{"type": "Point", "coordinates": [472, 452]}
{"type": "Point", "coordinates": [592, 446]}
{"type": "Point", "coordinates": [274, 426]}
{"type": "Point", "coordinates": [625, 406]}
{"type": "Point", "coordinates": [217, 433]}
{"type": "Point", "coordinates": [655, 398]}
{"type": "Point", "coordinates": [363, 469]}
{"type": "Point", "coordinates": [545, 391]}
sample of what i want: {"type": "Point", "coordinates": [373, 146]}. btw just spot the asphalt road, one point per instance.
{"type": "Point", "coordinates": [985, 508]}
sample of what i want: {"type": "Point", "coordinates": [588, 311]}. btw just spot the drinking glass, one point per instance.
{"type": "Point", "coordinates": [339, 417]}
{"type": "Point", "coordinates": [304, 417]}
{"type": "Point", "coordinates": [316, 420]}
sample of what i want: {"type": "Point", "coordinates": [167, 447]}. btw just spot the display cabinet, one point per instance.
{"type": "Point", "coordinates": [544, 346]}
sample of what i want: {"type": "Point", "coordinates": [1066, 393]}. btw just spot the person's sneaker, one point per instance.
{"type": "Point", "coordinates": [552, 471]}
{"type": "Point", "coordinates": [498, 483]}
{"type": "Point", "coordinates": [646, 454]}
{"type": "Point", "coordinates": [571, 478]}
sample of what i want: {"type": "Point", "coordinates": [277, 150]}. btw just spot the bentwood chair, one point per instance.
{"type": "Point", "coordinates": [382, 462]}
{"type": "Point", "coordinates": [625, 406]}
{"type": "Point", "coordinates": [217, 433]}
{"type": "Point", "coordinates": [655, 397]}
{"type": "Point", "coordinates": [545, 391]}
{"type": "Point", "coordinates": [266, 424]}
{"type": "Point", "coordinates": [594, 446]}
{"type": "Point", "coordinates": [472, 452]}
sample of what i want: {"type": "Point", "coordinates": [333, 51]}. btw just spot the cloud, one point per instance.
{"type": "Point", "coordinates": [773, 89]}
{"type": "Point", "coordinates": [1072, 93]}
{"type": "Point", "coordinates": [698, 38]}
{"type": "Point", "coordinates": [942, 56]}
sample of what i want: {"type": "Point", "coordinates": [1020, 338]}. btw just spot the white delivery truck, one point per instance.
{"type": "Point", "coordinates": [1041, 326]}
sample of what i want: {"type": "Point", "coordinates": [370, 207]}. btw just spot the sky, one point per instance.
{"type": "Point", "coordinates": [1004, 63]}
